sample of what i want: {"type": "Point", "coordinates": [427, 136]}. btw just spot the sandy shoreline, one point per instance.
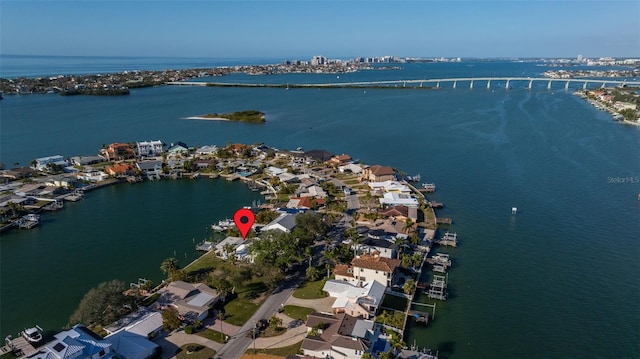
{"type": "Point", "coordinates": [206, 118]}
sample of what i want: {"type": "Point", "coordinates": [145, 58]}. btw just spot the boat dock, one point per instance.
{"type": "Point", "coordinates": [438, 288]}
{"type": "Point", "coordinates": [19, 346]}
{"type": "Point", "coordinates": [428, 187]}
{"type": "Point", "coordinates": [205, 246]}
{"type": "Point", "coordinates": [449, 239]}
{"type": "Point", "coordinates": [435, 204]}
{"type": "Point", "coordinates": [443, 220]}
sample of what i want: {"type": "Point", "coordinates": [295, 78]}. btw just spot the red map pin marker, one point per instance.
{"type": "Point", "coordinates": [243, 219]}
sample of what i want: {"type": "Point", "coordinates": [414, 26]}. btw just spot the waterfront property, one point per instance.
{"type": "Point", "coordinates": [367, 268]}
{"type": "Point", "coordinates": [192, 301]}
{"type": "Point", "coordinates": [361, 300]}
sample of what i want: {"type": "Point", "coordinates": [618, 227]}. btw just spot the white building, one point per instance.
{"type": "Point", "coordinates": [356, 300]}
{"type": "Point", "coordinates": [285, 222]}
{"type": "Point", "coordinates": [149, 148]}
{"type": "Point", "coordinates": [398, 199]}
{"type": "Point", "coordinates": [42, 162]}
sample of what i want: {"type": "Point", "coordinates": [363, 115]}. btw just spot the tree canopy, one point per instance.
{"type": "Point", "coordinates": [103, 304]}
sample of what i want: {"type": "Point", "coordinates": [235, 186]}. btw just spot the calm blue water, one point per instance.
{"type": "Point", "coordinates": [558, 280]}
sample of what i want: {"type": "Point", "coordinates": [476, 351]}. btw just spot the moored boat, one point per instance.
{"type": "Point", "coordinates": [33, 334]}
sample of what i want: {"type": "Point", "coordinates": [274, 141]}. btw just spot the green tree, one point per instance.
{"type": "Point", "coordinates": [275, 322]}
{"type": "Point", "coordinates": [103, 304]}
{"type": "Point", "coordinates": [170, 319]}
{"type": "Point", "coordinates": [367, 355]}
{"type": "Point", "coordinates": [170, 267]}
{"type": "Point", "coordinates": [385, 355]}
{"type": "Point", "coordinates": [409, 286]}
{"type": "Point", "coordinates": [313, 274]}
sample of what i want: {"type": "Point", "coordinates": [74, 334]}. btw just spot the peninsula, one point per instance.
{"type": "Point", "coordinates": [334, 231]}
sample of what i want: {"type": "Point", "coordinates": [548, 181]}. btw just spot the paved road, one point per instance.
{"type": "Point", "coordinates": [238, 344]}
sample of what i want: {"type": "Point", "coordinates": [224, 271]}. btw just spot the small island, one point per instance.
{"type": "Point", "coordinates": [249, 116]}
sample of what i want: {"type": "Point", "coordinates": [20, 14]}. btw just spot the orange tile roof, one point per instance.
{"type": "Point", "coordinates": [376, 263]}
{"type": "Point", "coordinates": [343, 270]}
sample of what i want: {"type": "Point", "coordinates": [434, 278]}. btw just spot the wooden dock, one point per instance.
{"type": "Point", "coordinates": [443, 220]}
{"type": "Point", "coordinates": [19, 346]}
{"type": "Point", "coordinates": [438, 288]}
{"type": "Point", "coordinates": [433, 204]}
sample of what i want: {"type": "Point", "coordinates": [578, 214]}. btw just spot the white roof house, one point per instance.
{"type": "Point", "coordinates": [353, 168]}
{"type": "Point", "coordinates": [274, 171]}
{"type": "Point", "coordinates": [207, 150]}
{"type": "Point", "coordinates": [390, 186]}
{"type": "Point", "coordinates": [239, 246]}
{"type": "Point", "coordinates": [399, 199]}
{"type": "Point", "coordinates": [42, 162]}
{"type": "Point", "coordinates": [355, 300]}
{"type": "Point", "coordinates": [133, 346]}
{"type": "Point", "coordinates": [75, 343]}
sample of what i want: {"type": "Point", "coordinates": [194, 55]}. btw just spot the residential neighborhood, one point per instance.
{"type": "Point", "coordinates": [331, 265]}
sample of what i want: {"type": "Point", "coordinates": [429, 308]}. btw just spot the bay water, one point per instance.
{"type": "Point", "coordinates": [559, 279]}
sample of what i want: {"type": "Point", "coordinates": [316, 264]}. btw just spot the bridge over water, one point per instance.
{"type": "Point", "coordinates": [470, 82]}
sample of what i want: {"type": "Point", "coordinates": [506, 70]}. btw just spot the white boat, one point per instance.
{"type": "Point", "coordinates": [223, 225]}
{"type": "Point", "coordinates": [33, 334]}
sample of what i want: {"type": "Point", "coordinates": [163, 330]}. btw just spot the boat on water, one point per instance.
{"type": "Point", "coordinates": [33, 334]}
{"type": "Point", "coordinates": [223, 225]}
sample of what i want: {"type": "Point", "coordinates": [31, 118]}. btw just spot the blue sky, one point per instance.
{"type": "Point", "coordinates": [337, 29]}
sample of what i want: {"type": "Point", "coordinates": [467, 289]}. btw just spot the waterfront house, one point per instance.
{"type": "Point", "coordinates": [361, 300]}
{"type": "Point", "coordinates": [237, 245]}
{"type": "Point", "coordinates": [142, 322]}
{"type": "Point", "coordinates": [18, 173]}
{"type": "Point", "coordinates": [400, 213]}
{"type": "Point", "coordinates": [340, 160]}
{"type": "Point", "coordinates": [192, 301]}
{"type": "Point", "coordinates": [150, 169]}
{"type": "Point", "coordinates": [61, 180]}
{"type": "Point", "coordinates": [178, 148]}
{"type": "Point", "coordinates": [337, 336]}
{"type": "Point", "coordinates": [207, 150]}
{"type": "Point", "coordinates": [149, 148]}
{"type": "Point", "coordinates": [366, 268]}
{"type": "Point", "coordinates": [76, 343]}
{"type": "Point", "coordinates": [120, 169]}
{"type": "Point", "coordinates": [398, 199]}
{"type": "Point", "coordinates": [86, 160]}
{"type": "Point", "coordinates": [377, 173]}
{"type": "Point", "coordinates": [42, 163]}
{"type": "Point", "coordinates": [118, 151]}
{"type": "Point", "coordinates": [316, 156]}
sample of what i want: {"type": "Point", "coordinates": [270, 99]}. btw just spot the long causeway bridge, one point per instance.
{"type": "Point", "coordinates": [469, 82]}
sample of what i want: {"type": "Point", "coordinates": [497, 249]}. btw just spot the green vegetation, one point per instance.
{"type": "Point", "coordinates": [214, 335]}
{"type": "Point", "coordinates": [393, 319]}
{"type": "Point", "coordinates": [249, 116]}
{"type": "Point", "coordinates": [240, 306]}
{"type": "Point", "coordinates": [296, 312]}
{"type": "Point", "coordinates": [170, 320]}
{"type": "Point", "coordinates": [281, 352]}
{"type": "Point", "coordinates": [103, 304]}
{"type": "Point", "coordinates": [311, 290]}
{"type": "Point", "coordinates": [195, 351]}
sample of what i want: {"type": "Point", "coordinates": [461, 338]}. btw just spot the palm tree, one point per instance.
{"type": "Point", "coordinates": [409, 286]}
{"type": "Point", "coordinates": [170, 266]}
{"type": "Point", "coordinates": [275, 322]}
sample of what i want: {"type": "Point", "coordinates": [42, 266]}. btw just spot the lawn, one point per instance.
{"type": "Point", "coordinates": [201, 353]}
{"type": "Point", "coordinates": [281, 352]}
{"type": "Point", "coordinates": [210, 334]}
{"type": "Point", "coordinates": [310, 290]}
{"type": "Point", "coordinates": [207, 262]}
{"type": "Point", "coordinates": [245, 302]}
{"type": "Point", "coordinates": [296, 312]}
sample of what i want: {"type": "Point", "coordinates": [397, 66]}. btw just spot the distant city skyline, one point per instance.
{"type": "Point", "coordinates": [335, 29]}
